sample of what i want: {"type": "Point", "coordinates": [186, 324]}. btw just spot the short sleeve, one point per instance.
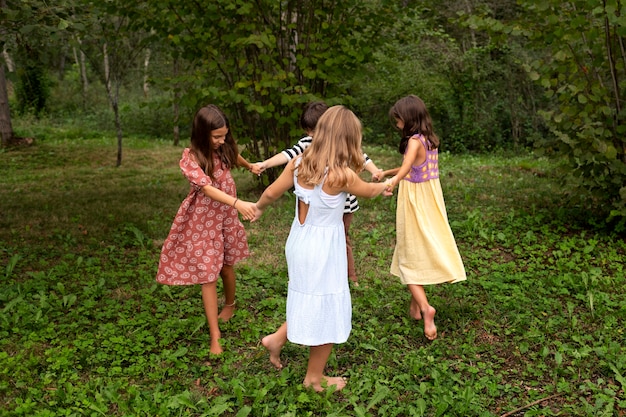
{"type": "Point", "coordinates": [192, 171]}
{"type": "Point", "coordinates": [298, 148]}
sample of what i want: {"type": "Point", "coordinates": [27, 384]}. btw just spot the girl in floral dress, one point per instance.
{"type": "Point", "coordinates": [207, 237]}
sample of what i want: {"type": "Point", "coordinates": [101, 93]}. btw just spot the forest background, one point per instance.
{"type": "Point", "coordinates": [526, 95]}
{"type": "Point", "coordinates": [526, 74]}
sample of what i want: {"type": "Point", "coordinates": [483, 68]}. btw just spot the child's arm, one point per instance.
{"type": "Point", "coordinates": [246, 208]}
{"type": "Point", "coordinates": [285, 156]}
{"type": "Point", "coordinates": [414, 151]}
{"type": "Point", "coordinates": [371, 167]}
{"type": "Point", "coordinates": [243, 162]}
{"type": "Point", "coordinates": [388, 172]}
{"type": "Point", "coordinates": [360, 188]}
{"type": "Point", "coordinates": [274, 161]}
{"type": "Point", "coordinates": [275, 190]}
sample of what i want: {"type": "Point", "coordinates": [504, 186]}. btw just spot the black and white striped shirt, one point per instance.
{"type": "Point", "coordinates": [352, 204]}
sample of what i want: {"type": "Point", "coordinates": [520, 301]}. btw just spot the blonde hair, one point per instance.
{"type": "Point", "coordinates": [336, 147]}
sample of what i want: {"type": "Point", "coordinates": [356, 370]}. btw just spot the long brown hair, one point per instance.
{"type": "Point", "coordinates": [336, 146]}
{"type": "Point", "coordinates": [413, 113]}
{"type": "Point", "coordinates": [206, 120]}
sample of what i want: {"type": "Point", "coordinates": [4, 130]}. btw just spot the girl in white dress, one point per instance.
{"type": "Point", "coordinates": [319, 309]}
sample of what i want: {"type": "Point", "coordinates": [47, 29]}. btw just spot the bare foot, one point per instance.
{"type": "Point", "coordinates": [414, 310]}
{"type": "Point", "coordinates": [227, 312]}
{"type": "Point", "coordinates": [274, 346]}
{"type": "Point", "coordinates": [355, 281]}
{"type": "Point", "coordinates": [327, 382]}
{"type": "Point", "coordinates": [430, 330]}
{"type": "Point", "coordinates": [216, 348]}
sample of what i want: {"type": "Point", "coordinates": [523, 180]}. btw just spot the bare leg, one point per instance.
{"type": "Point", "coordinates": [347, 220]}
{"type": "Point", "coordinates": [274, 344]}
{"type": "Point", "coordinates": [315, 378]}
{"type": "Point", "coordinates": [414, 310]}
{"type": "Point", "coordinates": [427, 311]}
{"type": "Point", "coordinates": [228, 280]}
{"type": "Point", "coordinates": [209, 299]}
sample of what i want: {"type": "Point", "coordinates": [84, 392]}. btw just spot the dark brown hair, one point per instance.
{"type": "Point", "coordinates": [311, 114]}
{"type": "Point", "coordinates": [413, 113]}
{"type": "Point", "coordinates": [206, 120]}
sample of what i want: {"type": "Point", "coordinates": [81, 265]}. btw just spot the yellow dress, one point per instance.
{"type": "Point", "coordinates": [425, 252]}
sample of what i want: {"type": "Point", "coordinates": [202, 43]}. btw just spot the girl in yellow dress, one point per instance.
{"type": "Point", "coordinates": [425, 251]}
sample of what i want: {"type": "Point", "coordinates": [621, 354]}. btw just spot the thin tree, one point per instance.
{"type": "Point", "coordinates": [113, 44]}
{"type": "Point", "coordinates": [79, 58]}
{"type": "Point", "coordinates": [6, 128]}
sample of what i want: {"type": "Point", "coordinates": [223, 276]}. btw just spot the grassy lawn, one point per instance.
{"type": "Point", "coordinates": [538, 329]}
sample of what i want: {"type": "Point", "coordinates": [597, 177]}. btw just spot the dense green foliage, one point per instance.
{"type": "Point", "coordinates": [29, 29]}
{"type": "Point", "coordinates": [262, 61]}
{"type": "Point", "coordinates": [494, 74]}
{"type": "Point", "coordinates": [33, 88]}
{"type": "Point", "coordinates": [580, 60]}
{"type": "Point", "coordinates": [85, 330]}
{"type": "Point", "coordinates": [587, 76]}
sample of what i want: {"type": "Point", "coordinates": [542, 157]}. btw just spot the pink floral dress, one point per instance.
{"type": "Point", "coordinates": [206, 234]}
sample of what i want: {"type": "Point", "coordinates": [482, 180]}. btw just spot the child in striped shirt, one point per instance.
{"type": "Point", "coordinates": [308, 120]}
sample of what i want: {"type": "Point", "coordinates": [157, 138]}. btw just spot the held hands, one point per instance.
{"type": "Point", "coordinates": [387, 173]}
{"type": "Point", "coordinates": [257, 214]}
{"type": "Point", "coordinates": [378, 175]}
{"type": "Point", "coordinates": [390, 184]}
{"type": "Point", "coordinates": [246, 209]}
{"type": "Point", "coordinates": [257, 168]}
{"type": "Point", "coordinates": [254, 168]}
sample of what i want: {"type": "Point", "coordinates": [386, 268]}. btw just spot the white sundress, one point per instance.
{"type": "Point", "coordinates": [319, 308]}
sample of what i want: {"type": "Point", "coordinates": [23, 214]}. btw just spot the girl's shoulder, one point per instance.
{"type": "Point", "coordinates": [337, 180]}
{"type": "Point", "coordinates": [430, 143]}
{"type": "Point", "coordinates": [188, 160]}
{"type": "Point", "coordinates": [418, 136]}
{"type": "Point", "coordinates": [339, 171]}
{"type": "Point", "coordinates": [187, 153]}
{"type": "Point", "coordinates": [420, 139]}
{"type": "Point", "coordinates": [188, 157]}
{"type": "Point", "coordinates": [340, 176]}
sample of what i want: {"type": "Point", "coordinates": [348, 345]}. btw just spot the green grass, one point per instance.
{"type": "Point", "coordinates": [85, 330]}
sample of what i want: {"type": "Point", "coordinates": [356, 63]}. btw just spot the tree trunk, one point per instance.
{"type": "Point", "coordinates": [114, 101]}
{"type": "Point", "coordinates": [83, 74]}
{"type": "Point", "coordinates": [8, 61]}
{"type": "Point", "coordinates": [146, 63]}
{"type": "Point", "coordinates": [468, 9]}
{"type": "Point", "coordinates": [118, 129]}
{"type": "Point", "coordinates": [80, 61]}
{"type": "Point", "coordinates": [107, 69]}
{"type": "Point", "coordinates": [176, 104]}
{"type": "Point", "coordinates": [6, 128]}
{"type": "Point", "coordinates": [62, 61]}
